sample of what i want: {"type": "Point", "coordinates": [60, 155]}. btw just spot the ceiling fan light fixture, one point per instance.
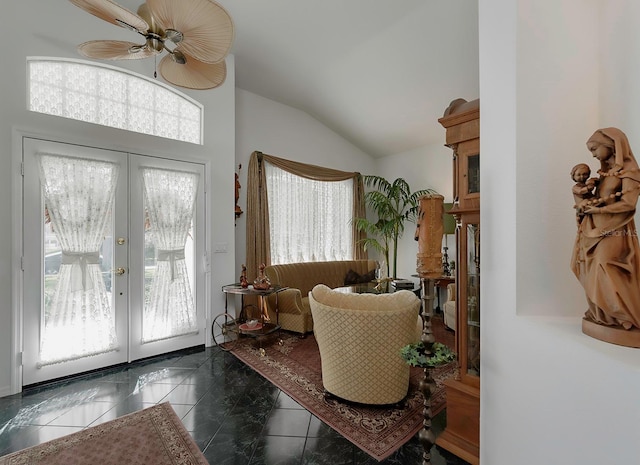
{"type": "Point", "coordinates": [155, 43]}
{"type": "Point", "coordinates": [173, 35]}
{"type": "Point", "coordinates": [178, 57]}
{"type": "Point", "coordinates": [201, 32]}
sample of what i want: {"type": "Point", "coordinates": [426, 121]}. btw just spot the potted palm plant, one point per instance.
{"type": "Point", "coordinates": [394, 204]}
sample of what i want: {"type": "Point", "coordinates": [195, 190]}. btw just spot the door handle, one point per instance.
{"type": "Point", "coordinates": [119, 271]}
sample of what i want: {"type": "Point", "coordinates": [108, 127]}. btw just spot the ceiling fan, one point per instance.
{"type": "Point", "coordinates": [197, 34]}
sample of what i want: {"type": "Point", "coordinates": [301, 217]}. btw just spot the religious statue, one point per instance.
{"type": "Point", "coordinates": [606, 255]}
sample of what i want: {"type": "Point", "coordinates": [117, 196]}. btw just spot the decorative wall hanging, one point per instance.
{"type": "Point", "coordinates": [238, 210]}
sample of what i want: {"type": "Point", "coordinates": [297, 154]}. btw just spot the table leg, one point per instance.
{"type": "Point", "coordinates": [242, 310]}
{"type": "Point", "coordinates": [263, 308]}
{"type": "Point", "coordinates": [280, 340]}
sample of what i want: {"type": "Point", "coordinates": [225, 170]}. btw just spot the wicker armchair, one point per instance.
{"type": "Point", "coordinates": [360, 337]}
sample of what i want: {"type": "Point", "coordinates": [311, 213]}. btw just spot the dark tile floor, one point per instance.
{"type": "Point", "coordinates": [233, 413]}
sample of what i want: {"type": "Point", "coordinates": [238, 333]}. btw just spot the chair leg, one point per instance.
{"type": "Point", "coordinates": [328, 396]}
{"type": "Point", "coordinates": [401, 404]}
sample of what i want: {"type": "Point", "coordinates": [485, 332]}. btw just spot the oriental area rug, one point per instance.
{"type": "Point", "coordinates": [295, 368]}
{"type": "Point", "coordinates": [151, 436]}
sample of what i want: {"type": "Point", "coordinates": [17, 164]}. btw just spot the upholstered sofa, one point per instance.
{"type": "Point", "coordinates": [293, 303]}
{"type": "Point", "coordinates": [359, 337]}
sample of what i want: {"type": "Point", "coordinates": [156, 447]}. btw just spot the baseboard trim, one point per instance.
{"type": "Point", "coordinates": [5, 391]}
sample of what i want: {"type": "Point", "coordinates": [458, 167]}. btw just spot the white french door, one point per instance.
{"type": "Point", "coordinates": [112, 259]}
{"type": "Point", "coordinates": [166, 256]}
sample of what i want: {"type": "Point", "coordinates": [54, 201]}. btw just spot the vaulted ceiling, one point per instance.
{"type": "Point", "coordinates": [378, 72]}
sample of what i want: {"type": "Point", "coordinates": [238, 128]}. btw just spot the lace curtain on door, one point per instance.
{"type": "Point", "coordinates": [79, 320]}
{"type": "Point", "coordinates": [170, 200]}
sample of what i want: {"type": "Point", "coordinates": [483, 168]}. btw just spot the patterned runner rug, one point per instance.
{"type": "Point", "coordinates": [151, 436]}
{"type": "Point", "coordinates": [295, 368]}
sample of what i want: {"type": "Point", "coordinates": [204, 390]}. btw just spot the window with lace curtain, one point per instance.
{"type": "Point", "coordinates": [109, 96]}
{"type": "Point", "coordinates": [309, 220]}
{"type": "Point", "coordinates": [298, 212]}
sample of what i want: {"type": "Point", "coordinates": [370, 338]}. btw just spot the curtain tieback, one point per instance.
{"type": "Point", "coordinates": [171, 256]}
{"type": "Point", "coordinates": [79, 262]}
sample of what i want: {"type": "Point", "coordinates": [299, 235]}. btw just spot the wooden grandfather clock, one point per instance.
{"type": "Point", "coordinates": [462, 434]}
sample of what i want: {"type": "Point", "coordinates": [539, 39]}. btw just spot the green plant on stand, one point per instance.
{"type": "Point", "coordinates": [394, 204]}
{"type": "Point", "coordinates": [416, 355]}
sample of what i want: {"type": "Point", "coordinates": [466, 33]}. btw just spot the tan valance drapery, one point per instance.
{"type": "Point", "coordinates": [258, 241]}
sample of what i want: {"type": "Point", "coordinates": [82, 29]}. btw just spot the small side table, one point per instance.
{"type": "Point", "coordinates": [260, 293]}
{"type": "Point", "coordinates": [226, 329]}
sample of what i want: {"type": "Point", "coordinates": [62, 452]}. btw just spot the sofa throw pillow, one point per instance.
{"type": "Point", "coordinates": [353, 277]}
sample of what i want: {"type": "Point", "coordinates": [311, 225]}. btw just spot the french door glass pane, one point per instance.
{"type": "Point", "coordinates": [473, 299]}
{"type": "Point", "coordinates": [53, 258]}
{"type": "Point", "coordinates": [78, 317]}
{"type": "Point", "coordinates": [169, 201]}
{"type": "Point", "coordinates": [150, 262]}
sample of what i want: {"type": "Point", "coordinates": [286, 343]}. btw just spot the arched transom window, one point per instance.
{"type": "Point", "coordinates": [114, 97]}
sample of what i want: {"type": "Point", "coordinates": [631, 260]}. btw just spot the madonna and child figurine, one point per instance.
{"type": "Point", "coordinates": [606, 255]}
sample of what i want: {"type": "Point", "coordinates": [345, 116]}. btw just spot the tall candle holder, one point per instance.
{"type": "Point", "coordinates": [429, 266]}
{"type": "Point", "coordinates": [427, 384]}
{"type": "Point", "coordinates": [446, 269]}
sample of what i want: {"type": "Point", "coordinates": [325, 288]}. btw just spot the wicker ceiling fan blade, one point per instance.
{"type": "Point", "coordinates": [113, 13]}
{"type": "Point", "coordinates": [115, 50]}
{"type": "Point", "coordinates": [193, 74]}
{"type": "Point", "coordinates": [206, 27]}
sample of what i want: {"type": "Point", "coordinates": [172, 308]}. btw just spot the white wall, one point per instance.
{"type": "Point", "coordinates": [37, 35]}
{"type": "Point", "coordinates": [275, 129]}
{"type": "Point", "coordinates": [549, 76]}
